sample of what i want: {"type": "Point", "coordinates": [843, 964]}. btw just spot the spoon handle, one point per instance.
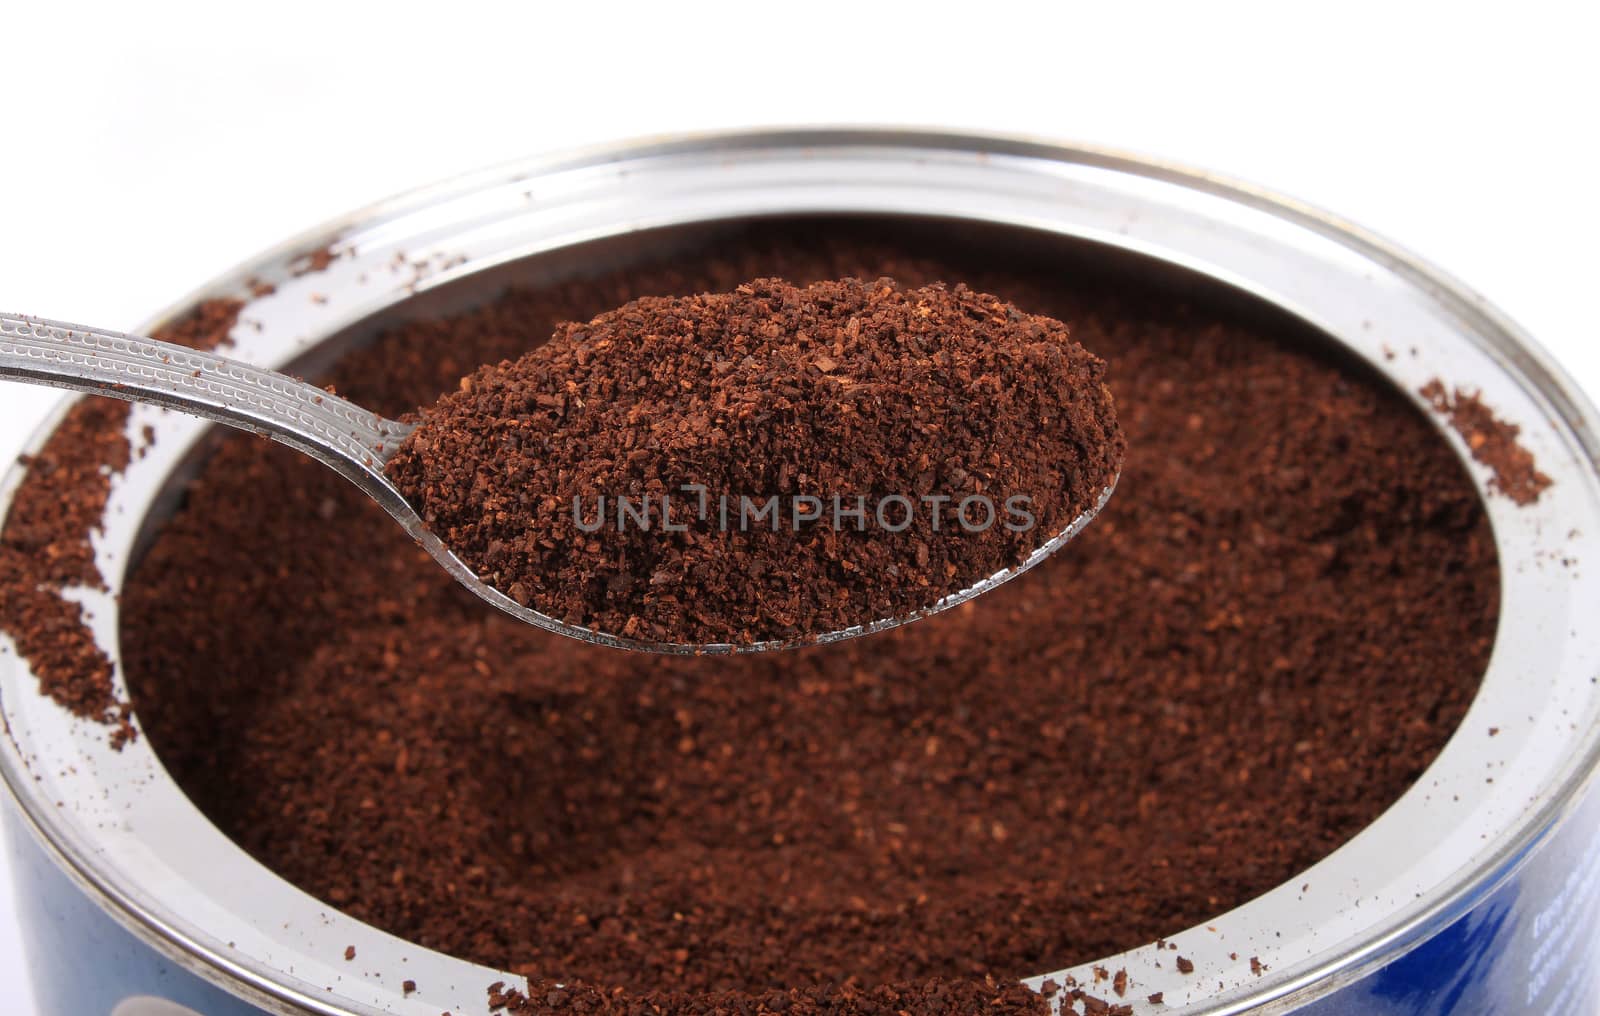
{"type": "Point", "coordinates": [340, 433]}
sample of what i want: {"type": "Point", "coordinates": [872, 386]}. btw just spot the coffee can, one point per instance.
{"type": "Point", "coordinates": [1478, 891]}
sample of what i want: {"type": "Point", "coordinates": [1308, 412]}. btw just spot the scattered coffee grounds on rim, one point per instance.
{"type": "Point", "coordinates": [316, 260]}
{"type": "Point", "coordinates": [45, 547]}
{"type": "Point", "coordinates": [1492, 442]}
{"type": "Point", "coordinates": [775, 462]}
{"type": "Point", "coordinates": [1263, 640]}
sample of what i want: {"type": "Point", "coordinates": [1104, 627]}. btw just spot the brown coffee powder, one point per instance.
{"type": "Point", "coordinates": [1263, 640]}
{"type": "Point", "coordinates": [932, 997]}
{"type": "Point", "coordinates": [1491, 441]}
{"type": "Point", "coordinates": [771, 463]}
{"type": "Point", "coordinates": [45, 547]}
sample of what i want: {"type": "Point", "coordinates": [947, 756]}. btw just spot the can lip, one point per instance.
{"type": "Point", "coordinates": [1468, 334]}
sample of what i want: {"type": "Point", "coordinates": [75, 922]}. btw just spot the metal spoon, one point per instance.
{"type": "Point", "coordinates": [340, 434]}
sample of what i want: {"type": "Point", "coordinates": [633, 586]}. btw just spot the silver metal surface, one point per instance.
{"type": "Point", "coordinates": [331, 429]}
{"type": "Point", "coordinates": [125, 831]}
{"type": "Point", "coordinates": [355, 442]}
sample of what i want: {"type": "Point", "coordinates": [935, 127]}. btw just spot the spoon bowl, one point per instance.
{"type": "Point", "coordinates": [355, 442]}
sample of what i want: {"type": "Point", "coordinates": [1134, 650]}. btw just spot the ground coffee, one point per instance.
{"type": "Point", "coordinates": [1264, 639]}
{"type": "Point", "coordinates": [1491, 440]}
{"type": "Point", "coordinates": [771, 463]}
{"type": "Point", "coordinates": [46, 547]}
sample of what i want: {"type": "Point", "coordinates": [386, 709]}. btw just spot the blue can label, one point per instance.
{"type": "Point", "coordinates": [1530, 946]}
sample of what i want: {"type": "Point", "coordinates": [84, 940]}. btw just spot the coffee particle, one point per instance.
{"type": "Point", "coordinates": [315, 261]}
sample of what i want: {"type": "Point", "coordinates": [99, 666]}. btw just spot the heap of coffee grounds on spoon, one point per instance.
{"type": "Point", "coordinates": [775, 462]}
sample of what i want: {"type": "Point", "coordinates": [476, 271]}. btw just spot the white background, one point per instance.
{"type": "Point", "coordinates": [146, 147]}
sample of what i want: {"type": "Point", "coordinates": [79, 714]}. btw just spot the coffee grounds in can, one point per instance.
{"type": "Point", "coordinates": [1264, 639]}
